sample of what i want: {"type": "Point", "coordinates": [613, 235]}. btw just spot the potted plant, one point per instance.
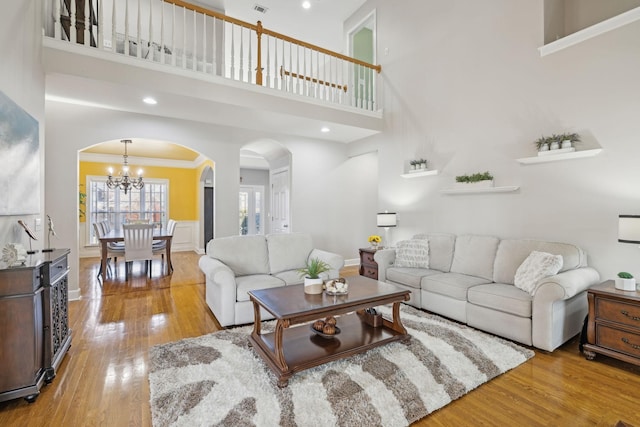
{"type": "Point", "coordinates": [554, 142]}
{"type": "Point", "coordinates": [542, 143]}
{"type": "Point", "coordinates": [413, 164]}
{"type": "Point", "coordinates": [311, 273]}
{"type": "Point", "coordinates": [568, 139]}
{"type": "Point", "coordinates": [625, 281]}
{"type": "Point", "coordinates": [479, 179]}
{"type": "Point", "coordinates": [423, 164]}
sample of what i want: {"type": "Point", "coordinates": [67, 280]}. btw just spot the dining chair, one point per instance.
{"type": "Point", "coordinates": [113, 251]}
{"type": "Point", "coordinates": [138, 245]}
{"type": "Point", "coordinates": [160, 246]}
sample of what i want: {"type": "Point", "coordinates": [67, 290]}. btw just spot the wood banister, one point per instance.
{"type": "Point", "coordinates": [284, 72]}
{"type": "Point", "coordinates": [259, 29]}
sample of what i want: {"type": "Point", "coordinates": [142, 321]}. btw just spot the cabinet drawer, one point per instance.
{"type": "Point", "coordinates": [371, 273]}
{"type": "Point", "coordinates": [57, 269]}
{"type": "Point", "coordinates": [617, 340]}
{"type": "Point", "coordinates": [619, 312]}
{"type": "Point", "coordinates": [367, 258]}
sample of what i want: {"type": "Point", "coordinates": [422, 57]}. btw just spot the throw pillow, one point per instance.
{"type": "Point", "coordinates": [536, 267]}
{"type": "Point", "coordinates": [412, 253]}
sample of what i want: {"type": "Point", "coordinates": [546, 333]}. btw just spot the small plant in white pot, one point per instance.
{"type": "Point", "coordinates": [311, 273]}
{"type": "Point", "coordinates": [625, 281]}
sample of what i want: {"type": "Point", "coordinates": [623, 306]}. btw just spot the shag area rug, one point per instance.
{"type": "Point", "coordinates": [217, 379]}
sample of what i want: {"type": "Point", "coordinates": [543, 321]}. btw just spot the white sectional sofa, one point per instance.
{"type": "Point", "coordinates": [471, 278]}
{"type": "Point", "coordinates": [235, 265]}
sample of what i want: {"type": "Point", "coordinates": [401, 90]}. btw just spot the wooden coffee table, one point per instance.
{"type": "Point", "coordinates": [290, 349]}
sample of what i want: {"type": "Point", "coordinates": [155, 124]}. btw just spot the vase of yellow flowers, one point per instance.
{"type": "Point", "coordinates": [374, 240]}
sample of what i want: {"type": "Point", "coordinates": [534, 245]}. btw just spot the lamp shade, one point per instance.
{"type": "Point", "coordinates": [386, 219]}
{"type": "Point", "coordinates": [629, 228]}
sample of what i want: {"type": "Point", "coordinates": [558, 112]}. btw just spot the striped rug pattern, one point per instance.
{"type": "Point", "coordinates": [218, 380]}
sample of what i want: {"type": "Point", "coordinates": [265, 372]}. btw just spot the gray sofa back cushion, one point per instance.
{"type": "Point", "coordinates": [242, 254]}
{"type": "Point", "coordinates": [512, 252]}
{"type": "Point", "coordinates": [475, 255]}
{"type": "Point", "coordinates": [440, 250]}
{"type": "Point", "coordinates": [288, 251]}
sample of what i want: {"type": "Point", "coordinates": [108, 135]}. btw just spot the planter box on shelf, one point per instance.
{"type": "Point", "coordinates": [478, 184]}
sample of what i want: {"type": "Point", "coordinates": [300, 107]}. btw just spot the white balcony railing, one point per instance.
{"type": "Point", "coordinates": [189, 37]}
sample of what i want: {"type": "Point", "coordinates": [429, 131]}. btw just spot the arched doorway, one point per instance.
{"type": "Point", "coordinates": [265, 188]}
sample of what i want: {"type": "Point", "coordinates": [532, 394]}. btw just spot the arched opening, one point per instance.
{"type": "Point", "coordinates": [265, 188]}
{"type": "Point", "coordinates": [176, 181]}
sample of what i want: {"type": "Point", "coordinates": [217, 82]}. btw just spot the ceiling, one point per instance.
{"type": "Point", "coordinates": [321, 24]}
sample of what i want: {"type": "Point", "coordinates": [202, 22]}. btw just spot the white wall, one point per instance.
{"type": "Point", "coordinates": [333, 196]}
{"type": "Point", "coordinates": [22, 80]}
{"type": "Point", "coordinates": [466, 88]}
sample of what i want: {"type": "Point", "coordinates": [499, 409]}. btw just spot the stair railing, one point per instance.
{"type": "Point", "coordinates": [187, 36]}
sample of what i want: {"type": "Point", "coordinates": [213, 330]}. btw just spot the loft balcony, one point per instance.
{"type": "Point", "coordinates": [205, 66]}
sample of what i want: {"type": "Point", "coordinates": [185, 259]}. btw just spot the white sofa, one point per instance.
{"type": "Point", "coordinates": [470, 279]}
{"type": "Point", "coordinates": [235, 265]}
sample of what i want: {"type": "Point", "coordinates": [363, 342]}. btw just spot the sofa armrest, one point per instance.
{"type": "Point", "coordinates": [335, 261]}
{"type": "Point", "coordinates": [385, 259]}
{"type": "Point", "coordinates": [220, 289]}
{"type": "Point", "coordinates": [559, 307]}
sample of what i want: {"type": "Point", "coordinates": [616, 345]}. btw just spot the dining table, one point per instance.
{"type": "Point", "coordinates": [118, 236]}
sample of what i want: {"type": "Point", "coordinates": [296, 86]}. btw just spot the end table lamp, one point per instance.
{"type": "Point", "coordinates": [628, 232]}
{"type": "Point", "coordinates": [387, 220]}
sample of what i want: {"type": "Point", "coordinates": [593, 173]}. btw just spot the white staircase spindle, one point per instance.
{"type": "Point", "coordinates": [269, 82]}
{"type": "Point", "coordinates": [233, 52]}
{"type": "Point", "coordinates": [126, 28]}
{"type": "Point", "coordinates": [298, 68]}
{"type": "Point", "coordinates": [214, 48]}
{"type": "Point", "coordinates": [162, 32]}
{"type": "Point", "coordinates": [173, 35]}
{"type": "Point", "coordinates": [291, 85]}
{"type": "Point", "coordinates": [151, 51]}
{"type": "Point", "coordinates": [184, 38]}
{"type": "Point", "coordinates": [249, 60]}
{"type": "Point", "coordinates": [100, 30]}
{"type": "Point", "coordinates": [57, 26]}
{"type": "Point", "coordinates": [194, 51]}
{"type": "Point", "coordinates": [72, 22]}
{"type": "Point", "coordinates": [114, 40]}
{"type": "Point", "coordinates": [204, 43]}
{"type": "Point", "coordinates": [138, 32]}
{"type": "Point", "coordinates": [241, 76]}
{"type": "Point", "coordinates": [87, 22]}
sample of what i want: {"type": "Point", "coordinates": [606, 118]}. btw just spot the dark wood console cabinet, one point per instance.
{"type": "Point", "coordinates": [34, 323]}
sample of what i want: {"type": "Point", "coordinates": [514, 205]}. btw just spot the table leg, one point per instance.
{"type": "Point", "coordinates": [168, 254]}
{"type": "Point", "coordinates": [397, 323]}
{"type": "Point", "coordinates": [103, 259]}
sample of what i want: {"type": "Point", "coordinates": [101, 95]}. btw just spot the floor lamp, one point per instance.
{"type": "Point", "coordinates": [387, 220]}
{"type": "Point", "coordinates": [628, 232]}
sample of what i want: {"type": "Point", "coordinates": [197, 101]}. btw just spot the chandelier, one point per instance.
{"type": "Point", "coordinates": [123, 181]}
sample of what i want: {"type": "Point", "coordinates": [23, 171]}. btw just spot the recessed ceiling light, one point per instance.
{"type": "Point", "coordinates": [149, 100]}
{"type": "Point", "coordinates": [325, 129]}
{"type": "Point", "coordinates": [306, 4]}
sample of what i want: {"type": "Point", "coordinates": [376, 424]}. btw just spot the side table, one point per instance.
{"type": "Point", "coordinates": [613, 327]}
{"type": "Point", "coordinates": [368, 266]}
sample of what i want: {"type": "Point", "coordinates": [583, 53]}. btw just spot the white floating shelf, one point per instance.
{"type": "Point", "coordinates": [506, 189]}
{"type": "Point", "coordinates": [419, 173]}
{"type": "Point", "coordinates": [592, 31]}
{"type": "Point", "coordinates": [557, 157]}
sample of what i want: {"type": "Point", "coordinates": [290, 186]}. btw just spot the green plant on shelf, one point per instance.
{"type": "Point", "coordinates": [625, 275]}
{"type": "Point", "coordinates": [476, 177]}
{"type": "Point", "coordinates": [314, 268]}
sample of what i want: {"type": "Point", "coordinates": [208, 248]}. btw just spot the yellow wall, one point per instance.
{"type": "Point", "coordinates": [183, 186]}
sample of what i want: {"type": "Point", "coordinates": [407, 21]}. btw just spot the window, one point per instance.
{"type": "Point", "coordinates": [105, 204]}
{"type": "Point", "coordinates": [251, 207]}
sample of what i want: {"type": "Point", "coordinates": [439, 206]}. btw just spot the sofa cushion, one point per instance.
{"type": "Point", "coordinates": [537, 266]}
{"type": "Point", "coordinates": [475, 255]}
{"type": "Point", "coordinates": [242, 254]}
{"type": "Point", "coordinates": [412, 253]}
{"type": "Point", "coordinates": [288, 251]}
{"type": "Point", "coordinates": [440, 250]}
{"type": "Point", "coordinates": [453, 285]}
{"type": "Point", "coordinates": [512, 253]}
{"type": "Point", "coordinates": [255, 281]}
{"type": "Point", "coordinates": [291, 277]}
{"type": "Point", "coordinates": [501, 297]}
{"type": "Point", "coordinates": [411, 277]}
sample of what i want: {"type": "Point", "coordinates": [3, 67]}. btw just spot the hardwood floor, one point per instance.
{"type": "Point", "coordinates": [103, 380]}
